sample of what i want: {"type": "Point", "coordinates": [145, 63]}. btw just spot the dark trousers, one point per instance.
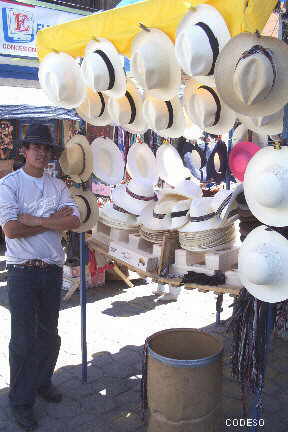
{"type": "Point", "coordinates": [34, 297]}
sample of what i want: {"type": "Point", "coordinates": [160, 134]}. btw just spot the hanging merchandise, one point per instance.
{"type": "Point", "coordinates": [77, 159]}
{"type": "Point", "coordinates": [240, 156]}
{"type": "Point", "coordinates": [102, 69]}
{"type": "Point", "coordinates": [267, 125]}
{"type": "Point", "coordinates": [217, 163]}
{"type": "Point", "coordinates": [88, 208]}
{"type": "Point", "coordinates": [169, 165]}
{"type": "Point", "coordinates": [108, 163]}
{"type": "Point", "coordinates": [154, 65]}
{"type": "Point", "coordinates": [242, 134]}
{"type": "Point", "coordinates": [94, 108]}
{"type": "Point", "coordinates": [141, 163]}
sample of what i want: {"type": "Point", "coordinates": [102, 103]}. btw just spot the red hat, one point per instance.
{"type": "Point", "coordinates": [240, 156]}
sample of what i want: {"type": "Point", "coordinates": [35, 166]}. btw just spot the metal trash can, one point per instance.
{"type": "Point", "coordinates": [184, 381]}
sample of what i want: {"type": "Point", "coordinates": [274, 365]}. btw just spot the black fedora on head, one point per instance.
{"type": "Point", "coordinates": [39, 134]}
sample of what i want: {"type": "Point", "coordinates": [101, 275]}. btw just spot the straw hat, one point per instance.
{"type": "Point", "coordinates": [225, 204]}
{"type": "Point", "coordinates": [141, 163]}
{"type": "Point", "coordinates": [94, 108]}
{"type": "Point", "coordinates": [77, 159]}
{"type": "Point", "coordinates": [108, 163]}
{"type": "Point", "coordinates": [251, 74]}
{"type": "Point", "coordinates": [154, 65]}
{"type": "Point", "coordinates": [134, 196]}
{"type": "Point", "coordinates": [242, 134]}
{"type": "Point", "coordinates": [169, 165]}
{"type": "Point", "coordinates": [182, 190]}
{"type": "Point", "coordinates": [156, 217]}
{"type": "Point", "coordinates": [240, 156]}
{"type": "Point", "coordinates": [200, 37]}
{"type": "Point", "coordinates": [262, 265]}
{"type": "Point", "coordinates": [205, 108]}
{"type": "Point", "coordinates": [88, 208]}
{"type": "Point", "coordinates": [266, 185]}
{"type": "Point", "coordinates": [269, 125]}
{"type": "Point", "coordinates": [102, 69]}
{"type": "Point", "coordinates": [180, 213]}
{"type": "Point", "coordinates": [202, 217]}
{"type": "Point", "coordinates": [166, 118]}
{"type": "Point", "coordinates": [126, 111]}
{"type": "Point", "coordinates": [60, 78]}
{"type": "Point", "coordinates": [116, 217]}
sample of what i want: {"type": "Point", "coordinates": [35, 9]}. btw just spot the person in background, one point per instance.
{"type": "Point", "coordinates": [34, 208]}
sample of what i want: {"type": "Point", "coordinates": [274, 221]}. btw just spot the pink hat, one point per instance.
{"type": "Point", "coordinates": [240, 156]}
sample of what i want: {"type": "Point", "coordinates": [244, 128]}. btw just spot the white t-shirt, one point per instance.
{"type": "Point", "coordinates": [21, 193]}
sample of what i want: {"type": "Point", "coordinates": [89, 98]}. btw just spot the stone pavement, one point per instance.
{"type": "Point", "coordinates": [118, 322]}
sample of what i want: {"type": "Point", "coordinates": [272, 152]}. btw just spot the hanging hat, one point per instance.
{"type": "Point", "coordinates": [77, 159]}
{"type": "Point", "coordinates": [243, 134]}
{"type": "Point", "coordinates": [205, 108]}
{"type": "Point", "coordinates": [133, 196]}
{"type": "Point", "coordinates": [268, 125]}
{"type": "Point", "coordinates": [154, 65]}
{"type": "Point", "coordinates": [61, 80]}
{"type": "Point", "coordinates": [108, 163]}
{"type": "Point", "coordinates": [169, 165]}
{"type": "Point", "coordinates": [240, 156]}
{"type": "Point", "coordinates": [102, 69]}
{"type": "Point", "coordinates": [164, 117]}
{"type": "Point", "coordinates": [200, 37]}
{"type": "Point", "coordinates": [262, 265]}
{"type": "Point", "coordinates": [195, 159]}
{"type": "Point", "coordinates": [94, 108]}
{"type": "Point", "coordinates": [116, 217]}
{"type": "Point", "coordinates": [266, 185]}
{"type": "Point", "coordinates": [88, 208]}
{"type": "Point", "coordinates": [217, 163]}
{"type": "Point", "coordinates": [126, 111]}
{"type": "Point", "coordinates": [251, 74]}
{"type": "Point", "coordinates": [141, 163]}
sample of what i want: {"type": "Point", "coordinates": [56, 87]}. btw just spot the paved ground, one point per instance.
{"type": "Point", "coordinates": [119, 320]}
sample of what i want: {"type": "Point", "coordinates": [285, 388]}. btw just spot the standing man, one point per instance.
{"type": "Point", "coordinates": [34, 208]}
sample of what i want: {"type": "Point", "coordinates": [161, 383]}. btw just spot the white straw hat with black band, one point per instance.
{"type": "Point", "coordinates": [169, 164]}
{"type": "Point", "coordinates": [94, 108]}
{"type": "Point", "coordinates": [77, 159]}
{"type": "Point", "coordinates": [116, 217]}
{"type": "Point", "coordinates": [268, 125]}
{"type": "Point", "coordinates": [134, 196]}
{"type": "Point", "coordinates": [102, 69]}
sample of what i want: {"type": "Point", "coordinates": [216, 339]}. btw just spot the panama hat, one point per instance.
{"type": "Point", "coordinates": [116, 217]}
{"type": "Point", "coordinates": [166, 118]}
{"type": "Point", "coordinates": [240, 156]}
{"type": "Point", "coordinates": [169, 164]}
{"type": "Point", "coordinates": [204, 107]}
{"type": "Point", "coordinates": [180, 213]}
{"type": "Point", "coordinates": [217, 163]}
{"type": "Point", "coordinates": [108, 163]}
{"type": "Point", "coordinates": [88, 208]}
{"type": "Point", "coordinates": [182, 190]}
{"type": "Point", "coordinates": [242, 134]}
{"type": "Point", "coordinates": [126, 111]}
{"type": "Point", "coordinates": [201, 216]}
{"type": "Point", "coordinates": [262, 265]}
{"type": "Point", "coordinates": [102, 69]}
{"type": "Point", "coordinates": [133, 196]}
{"type": "Point", "coordinates": [225, 204]}
{"type": "Point", "coordinates": [269, 125]}
{"type": "Point", "coordinates": [265, 186]}
{"type": "Point", "coordinates": [141, 163]}
{"type": "Point", "coordinates": [200, 37]}
{"type": "Point", "coordinates": [94, 108]}
{"type": "Point", "coordinates": [77, 159]}
{"type": "Point", "coordinates": [61, 80]}
{"type": "Point", "coordinates": [154, 65]}
{"type": "Point", "coordinates": [156, 217]}
{"type": "Point", "coordinates": [251, 74]}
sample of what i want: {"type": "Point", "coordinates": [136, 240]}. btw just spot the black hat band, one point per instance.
{"type": "Point", "coordinates": [103, 104]}
{"type": "Point", "coordinates": [87, 207]}
{"type": "Point", "coordinates": [84, 159]}
{"type": "Point", "coordinates": [179, 213]}
{"type": "Point", "coordinates": [217, 102]}
{"type": "Point", "coordinates": [159, 215]}
{"type": "Point", "coordinates": [132, 106]}
{"type": "Point", "coordinates": [211, 215]}
{"type": "Point", "coordinates": [213, 43]}
{"type": "Point", "coordinates": [110, 68]}
{"type": "Point", "coordinates": [170, 113]}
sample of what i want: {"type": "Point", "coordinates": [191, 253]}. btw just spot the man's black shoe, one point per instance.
{"type": "Point", "coordinates": [24, 417]}
{"type": "Point", "coordinates": [50, 394]}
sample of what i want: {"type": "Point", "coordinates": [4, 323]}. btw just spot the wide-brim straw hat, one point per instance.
{"type": "Point", "coordinates": [185, 189]}
{"type": "Point", "coordinates": [217, 239]}
{"type": "Point", "coordinates": [155, 218]}
{"type": "Point", "coordinates": [102, 68]}
{"type": "Point", "coordinates": [77, 159]}
{"type": "Point", "coordinates": [262, 265]}
{"type": "Point", "coordinates": [251, 74]}
{"type": "Point", "coordinates": [206, 109]}
{"type": "Point", "coordinates": [201, 216]}
{"type": "Point", "coordinates": [108, 163]}
{"type": "Point", "coordinates": [268, 125]}
{"type": "Point", "coordinates": [154, 64]}
{"type": "Point", "coordinates": [133, 196]}
{"type": "Point", "coordinates": [126, 111]}
{"type": "Point", "coordinates": [240, 156]}
{"type": "Point", "coordinates": [116, 217]}
{"type": "Point", "coordinates": [94, 108]}
{"type": "Point", "coordinates": [169, 164]}
{"type": "Point", "coordinates": [266, 185]}
{"type": "Point", "coordinates": [88, 208]}
{"type": "Point", "coordinates": [141, 163]}
{"type": "Point", "coordinates": [243, 134]}
{"type": "Point", "coordinates": [200, 37]}
{"type": "Point", "coordinates": [166, 118]}
{"type": "Point", "coordinates": [61, 80]}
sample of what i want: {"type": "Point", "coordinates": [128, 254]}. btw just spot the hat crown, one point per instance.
{"type": "Point", "coordinates": [92, 105]}
{"type": "Point", "coordinates": [270, 186]}
{"type": "Point", "coordinates": [141, 188]}
{"type": "Point", "coordinates": [38, 134]}
{"type": "Point", "coordinates": [264, 265]}
{"type": "Point", "coordinates": [120, 110]}
{"type": "Point", "coordinates": [95, 72]}
{"type": "Point", "coordinates": [202, 108]}
{"type": "Point", "coordinates": [201, 207]}
{"type": "Point", "coordinates": [253, 78]}
{"type": "Point", "coordinates": [157, 113]}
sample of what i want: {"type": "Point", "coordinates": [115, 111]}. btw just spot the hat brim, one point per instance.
{"type": "Point", "coordinates": [227, 62]}
{"type": "Point", "coordinates": [131, 205]}
{"type": "Point", "coordinates": [106, 147]}
{"type": "Point", "coordinates": [272, 128]}
{"type": "Point", "coordinates": [241, 135]}
{"type": "Point", "coordinates": [264, 158]}
{"type": "Point", "coordinates": [92, 202]}
{"type": "Point", "coordinates": [271, 293]}
{"type": "Point", "coordinates": [154, 224]}
{"type": "Point", "coordinates": [141, 163]}
{"type": "Point", "coordinates": [88, 169]}
{"type": "Point", "coordinates": [109, 49]}
{"type": "Point", "coordinates": [103, 120]}
{"type": "Point", "coordinates": [114, 218]}
{"type": "Point", "coordinates": [248, 150]}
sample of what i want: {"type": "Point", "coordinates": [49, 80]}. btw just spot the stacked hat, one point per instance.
{"type": "Point", "coordinates": [116, 217]}
{"type": "Point", "coordinates": [134, 196]}
{"type": "Point", "coordinates": [77, 159]}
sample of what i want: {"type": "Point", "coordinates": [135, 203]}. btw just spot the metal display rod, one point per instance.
{"type": "Point", "coordinates": [83, 254]}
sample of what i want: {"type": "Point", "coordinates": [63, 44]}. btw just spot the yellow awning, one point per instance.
{"type": "Point", "coordinates": [121, 25]}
